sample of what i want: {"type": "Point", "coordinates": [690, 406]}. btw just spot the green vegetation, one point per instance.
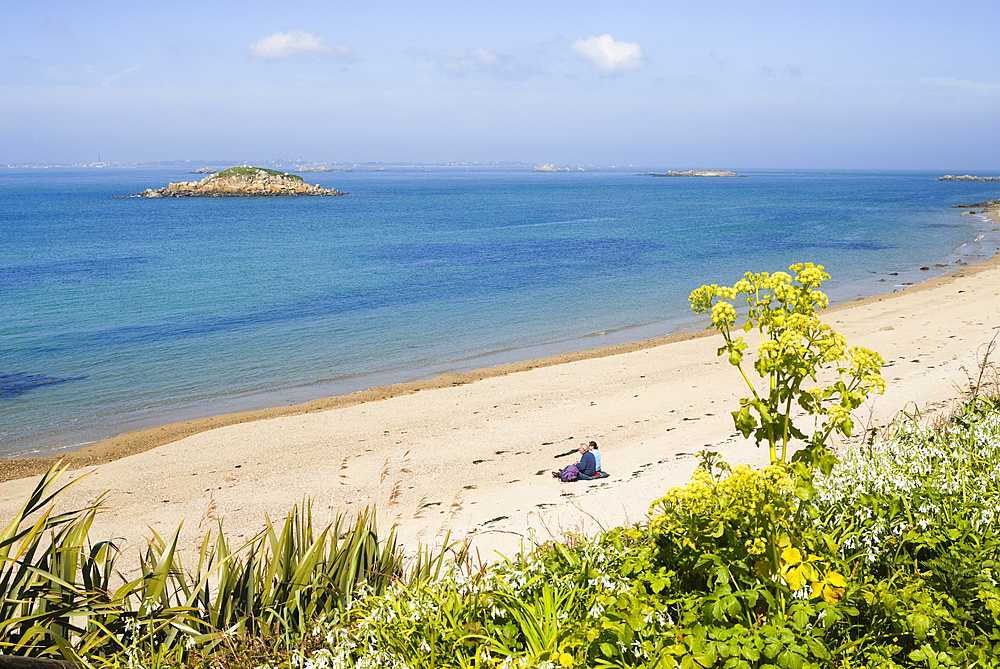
{"type": "Point", "coordinates": [238, 171]}
{"type": "Point", "coordinates": [795, 347]}
{"type": "Point", "coordinates": [884, 557]}
{"type": "Point", "coordinates": [64, 596]}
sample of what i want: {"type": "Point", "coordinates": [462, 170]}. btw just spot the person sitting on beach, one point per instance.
{"type": "Point", "coordinates": [588, 463]}
{"type": "Point", "coordinates": [592, 447]}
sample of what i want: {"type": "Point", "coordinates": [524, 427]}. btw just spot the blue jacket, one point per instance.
{"type": "Point", "coordinates": [587, 464]}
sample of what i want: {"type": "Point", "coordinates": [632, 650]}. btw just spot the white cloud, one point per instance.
{"type": "Point", "coordinates": [296, 43]}
{"type": "Point", "coordinates": [485, 57]}
{"type": "Point", "coordinates": [608, 56]}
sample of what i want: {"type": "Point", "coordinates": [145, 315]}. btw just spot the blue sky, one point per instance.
{"type": "Point", "coordinates": [909, 85]}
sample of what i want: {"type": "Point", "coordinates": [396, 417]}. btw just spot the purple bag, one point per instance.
{"type": "Point", "coordinates": [569, 473]}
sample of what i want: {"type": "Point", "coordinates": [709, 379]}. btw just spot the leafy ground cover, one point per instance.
{"type": "Point", "coordinates": [892, 564]}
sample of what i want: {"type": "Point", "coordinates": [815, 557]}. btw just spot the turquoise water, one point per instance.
{"type": "Point", "coordinates": [120, 314]}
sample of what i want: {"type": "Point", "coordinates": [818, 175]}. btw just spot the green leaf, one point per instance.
{"type": "Point", "coordinates": [704, 659]}
{"type": "Point", "coordinates": [744, 421]}
{"type": "Point", "coordinates": [800, 618]}
{"type": "Point", "coordinates": [804, 489]}
{"type": "Point", "coordinates": [789, 660]}
{"type": "Point", "coordinates": [920, 624]}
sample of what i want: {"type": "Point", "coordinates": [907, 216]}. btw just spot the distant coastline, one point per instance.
{"type": "Point", "coordinates": [323, 168]}
{"type": "Point", "coordinates": [549, 167]}
{"type": "Point", "coordinates": [694, 173]}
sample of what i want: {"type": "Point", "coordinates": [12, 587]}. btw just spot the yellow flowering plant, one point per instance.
{"type": "Point", "coordinates": [743, 523]}
{"type": "Point", "coordinates": [730, 511]}
{"type": "Point", "coordinates": [795, 346]}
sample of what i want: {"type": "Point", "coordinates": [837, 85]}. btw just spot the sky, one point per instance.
{"type": "Point", "coordinates": [680, 85]}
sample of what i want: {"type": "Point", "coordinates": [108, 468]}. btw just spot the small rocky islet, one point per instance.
{"type": "Point", "coordinates": [242, 181]}
{"type": "Point", "coordinates": [966, 177]}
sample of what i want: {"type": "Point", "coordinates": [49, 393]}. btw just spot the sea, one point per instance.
{"type": "Point", "coordinates": [118, 314]}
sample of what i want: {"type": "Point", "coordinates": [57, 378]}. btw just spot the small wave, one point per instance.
{"type": "Point", "coordinates": [605, 333]}
{"type": "Point", "coordinates": [545, 224]}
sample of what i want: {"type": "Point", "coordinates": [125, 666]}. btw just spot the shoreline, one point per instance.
{"type": "Point", "coordinates": [139, 441]}
{"type": "Point", "coordinates": [449, 457]}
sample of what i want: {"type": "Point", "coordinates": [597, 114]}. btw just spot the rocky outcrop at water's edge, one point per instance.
{"type": "Point", "coordinates": [989, 205]}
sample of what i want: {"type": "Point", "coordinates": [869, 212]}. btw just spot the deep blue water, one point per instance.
{"type": "Point", "coordinates": [119, 314]}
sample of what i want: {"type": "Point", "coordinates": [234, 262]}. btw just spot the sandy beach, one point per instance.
{"type": "Point", "coordinates": [472, 453]}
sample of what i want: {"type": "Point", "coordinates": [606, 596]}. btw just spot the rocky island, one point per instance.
{"type": "Point", "coordinates": [966, 177]}
{"type": "Point", "coordinates": [242, 182]}
{"type": "Point", "coordinates": [549, 167]}
{"type": "Point", "coordinates": [694, 173]}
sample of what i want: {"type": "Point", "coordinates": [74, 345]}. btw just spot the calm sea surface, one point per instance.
{"type": "Point", "coordinates": [119, 314]}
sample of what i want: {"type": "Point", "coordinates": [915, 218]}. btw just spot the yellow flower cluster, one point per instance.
{"type": "Point", "coordinates": [838, 415]}
{"type": "Point", "coordinates": [867, 365]}
{"type": "Point", "coordinates": [809, 275]}
{"type": "Point", "coordinates": [723, 313]}
{"type": "Point", "coordinates": [833, 345]}
{"type": "Point", "coordinates": [743, 501]}
{"type": "Point", "coordinates": [776, 280]}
